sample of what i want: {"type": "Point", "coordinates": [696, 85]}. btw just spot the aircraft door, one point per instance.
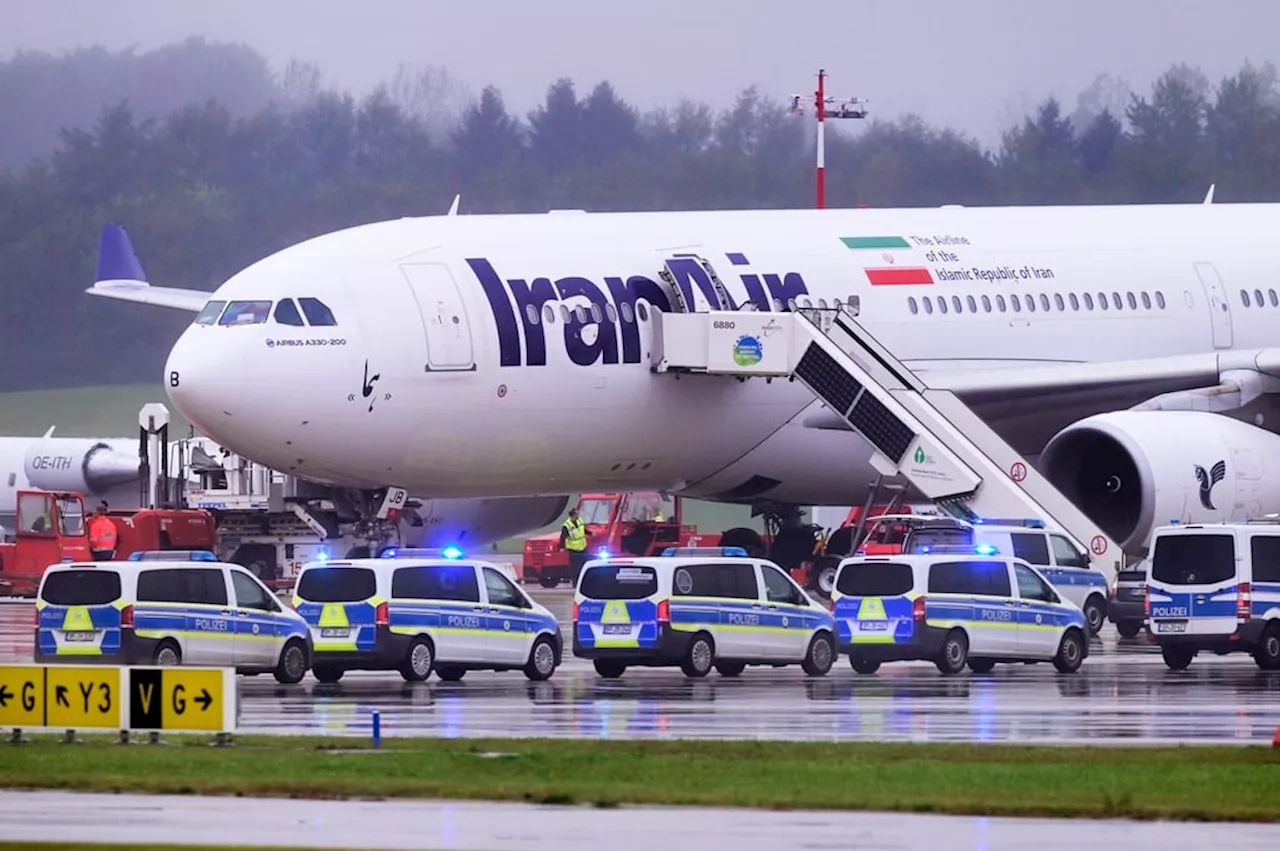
{"type": "Point", "coordinates": [1219, 307]}
{"type": "Point", "coordinates": [444, 317]}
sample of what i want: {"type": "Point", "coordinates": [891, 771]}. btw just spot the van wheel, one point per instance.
{"type": "Point", "coordinates": [167, 654]}
{"type": "Point", "coordinates": [1095, 613]}
{"type": "Point", "coordinates": [1070, 652]}
{"type": "Point", "coordinates": [1129, 629]}
{"type": "Point", "coordinates": [548, 578]}
{"type": "Point", "coordinates": [451, 673]}
{"type": "Point", "coordinates": [982, 666]}
{"type": "Point", "coordinates": [609, 669]}
{"type": "Point", "coordinates": [730, 669]}
{"type": "Point", "coordinates": [820, 656]}
{"type": "Point", "coordinates": [863, 665]}
{"type": "Point", "coordinates": [418, 661]}
{"type": "Point", "coordinates": [293, 663]}
{"type": "Point", "coordinates": [955, 653]}
{"type": "Point", "coordinates": [327, 673]}
{"type": "Point", "coordinates": [700, 657]}
{"type": "Point", "coordinates": [1268, 653]}
{"type": "Point", "coordinates": [542, 660]}
{"type": "Point", "coordinates": [1177, 658]}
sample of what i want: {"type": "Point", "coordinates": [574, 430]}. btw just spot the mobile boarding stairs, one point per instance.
{"type": "Point", "coordinates": [926, 435]}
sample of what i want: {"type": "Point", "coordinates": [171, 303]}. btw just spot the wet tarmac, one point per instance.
{"type": "Point", "coordinates": [1123, 694]}
{"type": "Point", "coordinates": [464, 826]}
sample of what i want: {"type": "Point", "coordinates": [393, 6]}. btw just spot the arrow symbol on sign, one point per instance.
{"type": "Point", "coordinates": [5, 695]}
{"type": "Point", "coordinates": [205, 699]}
{"type": "Point", "coordinates": [60, 695]}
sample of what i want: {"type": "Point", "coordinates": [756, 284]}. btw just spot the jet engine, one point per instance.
{"type": "Point", "coordinates": [1131, 471]}
{"type": "Point", "coordinates": [92, 467]}
{"type": "Point", "coordinates": [471, 523]}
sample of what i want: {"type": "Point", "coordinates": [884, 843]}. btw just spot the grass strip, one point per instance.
{"type": "Point", "coordinates": [1183, 783]}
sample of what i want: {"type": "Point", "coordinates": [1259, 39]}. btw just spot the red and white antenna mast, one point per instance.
{"type": "Point", "coordinates": [825, 107]}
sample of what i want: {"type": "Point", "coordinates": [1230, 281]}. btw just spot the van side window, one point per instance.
{"type": "Point", "coordinates": [1265, 551]}
{"type": "Point", "coordinates": [778, 587]}
{"type": "Point", "coordinates": [986, 578]}
{"type": "Point", "coordinates": [1031, 547]}
{"type": "Point", "coordinates": [439, 582]}
{"type": "Point", "coordinates": [197, 586]}
{"type": "Point", "coordinates": [501, 591]}
{"type": "Point", "coordinates": [727, 581]}
{"type": "Point", "coordinates": [1032, 587]}
{"type": "Point", "coordinates": [251, 595]}
{"type": "Point", "coordinates": [1065, 553]}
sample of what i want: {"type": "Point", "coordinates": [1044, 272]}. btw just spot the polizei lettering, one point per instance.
{"type": "Point", "coordinates": [603, 325]}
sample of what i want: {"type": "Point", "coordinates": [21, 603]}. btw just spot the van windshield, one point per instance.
{"type": "Point", "coordinates": [875, 579]}
{"type": "Point", "coordinates": [1194, 559]}
{"type": "Point", "coordinates": [92, 587]}
{"type": "Point", "coordinates": [619, 582]}
{"type": "Point", "coordinates": [337, 584]}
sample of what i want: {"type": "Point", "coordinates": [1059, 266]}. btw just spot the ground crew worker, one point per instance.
{"type": "Point", "coordinates": [102, 535]}
{"type": "Point", "coordinates": [573, 539]}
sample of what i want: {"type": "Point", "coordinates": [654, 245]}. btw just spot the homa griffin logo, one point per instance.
{"type": "Point", "coordinates": [612, 309]}
{"type": "Point", "coordinates": [1208, 480]}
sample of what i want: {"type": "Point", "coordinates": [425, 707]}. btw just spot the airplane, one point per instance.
{"type": "Point", "coordinates": [1130, 352]}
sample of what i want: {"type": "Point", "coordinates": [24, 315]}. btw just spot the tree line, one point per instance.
{"type": "Point", "coordinates": [208, 186]}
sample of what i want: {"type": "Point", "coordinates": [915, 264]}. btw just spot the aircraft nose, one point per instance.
{"type": "Point", "coordinates": [205, 381]}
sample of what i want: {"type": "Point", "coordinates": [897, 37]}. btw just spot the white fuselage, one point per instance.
{"type": "Point", "coordinates": [452, 371]}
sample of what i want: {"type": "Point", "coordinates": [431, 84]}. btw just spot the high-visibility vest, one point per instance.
{"type": "Point", "coordinates": [102, 534]}
{"type": "Point", "coordinates": [576, 539]}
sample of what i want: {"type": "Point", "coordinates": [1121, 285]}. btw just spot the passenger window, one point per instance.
{"type": "Point", "coordinates": [912, 305]}
{"type": "Point", "coordinates": [200, 586]}
{"type": "Point", "coordinates": [985, 578]}
{"type": "Point", "coordinates": [1016, 302]}
{"type": "Point", "coordinates": [501, 591]}
{"type": "Point", "coordinates": [549, 314]}
{"type": "Point", "coordinates": [580, 313]}
{"type": "Point", "coordinates": [251, 595]}
{"type": "Point", "coordinates": [596, 316]}
{"type": "Point", "coordinates": [1133, 302]}
{"type": "Point", "coordinates": [1031, 304]}
{"type": "Point", "coordinates": [1065, 553]}
{"type": "Point", "coordinates": [956, 304]}
{"type": "Point", "coordinates": [627, 314]}
{"type": "Point", "coordinates": [1075, 302]}
{"type": "Point", "coordinates": [1257, 297]}
{"type": "Point", "coordinates": [1102, 301]}
{"type": "Point", "coordinates": [1032, 587]}
{"type": "Point", "coordinates": [1057, 300]}
{"type": "Point", "coordinates": [779, 588]}
{"type": "Point", "coordinates": [973, 305]}
{"type": "Point", "coordinates": [531, 313]}
{"type": "Point", "coordinates": [210, 312]}
{"type": "Point", "coordinates": [1265, 551]}
{"type": "Point", "coordinates": [436, 582]}
{"type": "Point", "coordinates": [1244, 298]}
{"type": "Point", "coordinates": [642, 311]}
{"type": "Point", "coordinates": [928, 304]}
{"type": "Point", "coordinates": [318, 313]}
{"type": "Point", "coordinates": [610, 312]}
{"type": "Point", "coordinates": [246, 313]}
{"type": "Point", "coordinates": [726, 581]}
{"type": "Point", "coordinates": [1031, 547]}
{"type": "Point", "coordinates": [564, 314]}
{"type": "Point", "coordinates": [1000, 303]}
{"type": "Point", "coordinates": [1160, 300]}
{"type": "Point", "coordinates": [942, 304]}
{"type": "Point", "coordinates": [1088, 301]}
{"type": "Point", "coordinates": [1115, 301]}
{"type": "Point", "coordinates": [1146, 301]}
{"type": "Point", "coordinates": [986, 304]}
{"type": "Point", "coordinates": [287, 313]}
{"type": "Point", "coordinates": [1274, 301]}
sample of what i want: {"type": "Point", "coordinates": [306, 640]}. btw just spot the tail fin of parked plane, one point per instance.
{"type": "Point", "coordinates": [120, 276]}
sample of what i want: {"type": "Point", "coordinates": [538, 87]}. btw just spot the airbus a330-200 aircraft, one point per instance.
{"type": "Point", "coordinates": [1130, 351]}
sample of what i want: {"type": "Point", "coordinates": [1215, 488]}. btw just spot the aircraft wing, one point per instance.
{"type": "Point", "coordinates": [1029, 404]}
{"type": "Point", "coordinates": [120, 276]}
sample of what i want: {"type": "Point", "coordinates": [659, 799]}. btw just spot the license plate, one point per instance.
{"type": "Point", "coordinates": [329, 632]}
{"type": "Point", "coordinates": [875, 626]}
{"type": "Point", "coordinates": [617, 629]}
{"type": "Point", "coordinates": [79, 636]}
{"type": "Point", "coordinates": [1171, 626]}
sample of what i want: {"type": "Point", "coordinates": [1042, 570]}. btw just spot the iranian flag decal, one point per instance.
{"type": "Point", "coordinates": [892, 274]}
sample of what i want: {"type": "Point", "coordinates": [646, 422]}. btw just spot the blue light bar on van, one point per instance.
{"type": "Point", "coordinates": [958, 549]}
{"type": "Point", "coordinates": [603, 553]}
{"type": "Point", "coordinates": [1027, 522]}
{"type": "Point", "coordinates": [173, 555]}
{"type": "Point", "coordinates": [449, 552]}
{"type": "Point", "coordinates": [702, 552]}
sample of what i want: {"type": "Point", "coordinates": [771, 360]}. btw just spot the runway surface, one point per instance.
{"type": "Point", "coordinates": [1122, 695]}
{"type": "Point", "coordinates": [465, 826]}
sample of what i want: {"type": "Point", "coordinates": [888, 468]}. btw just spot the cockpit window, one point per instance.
{"type": "Point", "coordinates": [317, 312]}
{"type": "Point", "coordinates": [210, 313]}
{"type": "Point", "coordinates": [246, 313]}
{"type": "Point", "coordinates": [287, 313]}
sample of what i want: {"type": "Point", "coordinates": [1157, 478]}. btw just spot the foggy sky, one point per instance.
{"type": "Point", "coordinates": [970, 65]}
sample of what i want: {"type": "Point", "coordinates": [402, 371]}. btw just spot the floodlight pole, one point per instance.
{"type": "Point", "coordinates": [851, 108]}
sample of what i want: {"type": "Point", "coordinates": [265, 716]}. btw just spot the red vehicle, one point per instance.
{"type": "Point", "coordinates": [150, 529]}
{"type": "Point", "coordinates": [883, 534]}
{"type": "Point", "coordinates": [50, 529]}
{"type": "Point", "coordinates": [642, 523]}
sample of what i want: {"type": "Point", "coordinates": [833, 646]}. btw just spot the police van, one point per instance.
{"type": "Point", "coordinates": [415, 611]}
{"type": "Point", "coordinates": [168, 608]}
{"type": "Point", "coordinates": [698, 608]}
{"type": "Point", "coordinates": [953, 608]}
{"type": "Point", "coordinates": [1216, 587]}
{"type": "Point", "coordinates": [1054, 556]}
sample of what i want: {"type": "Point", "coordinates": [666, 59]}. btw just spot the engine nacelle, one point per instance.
{"type": "Point", "coordinates": [92, 467]}
{"type": "Point", "coordinates": [477, 522]}
{"type": "Point", "coordinates": [1131, 471]}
